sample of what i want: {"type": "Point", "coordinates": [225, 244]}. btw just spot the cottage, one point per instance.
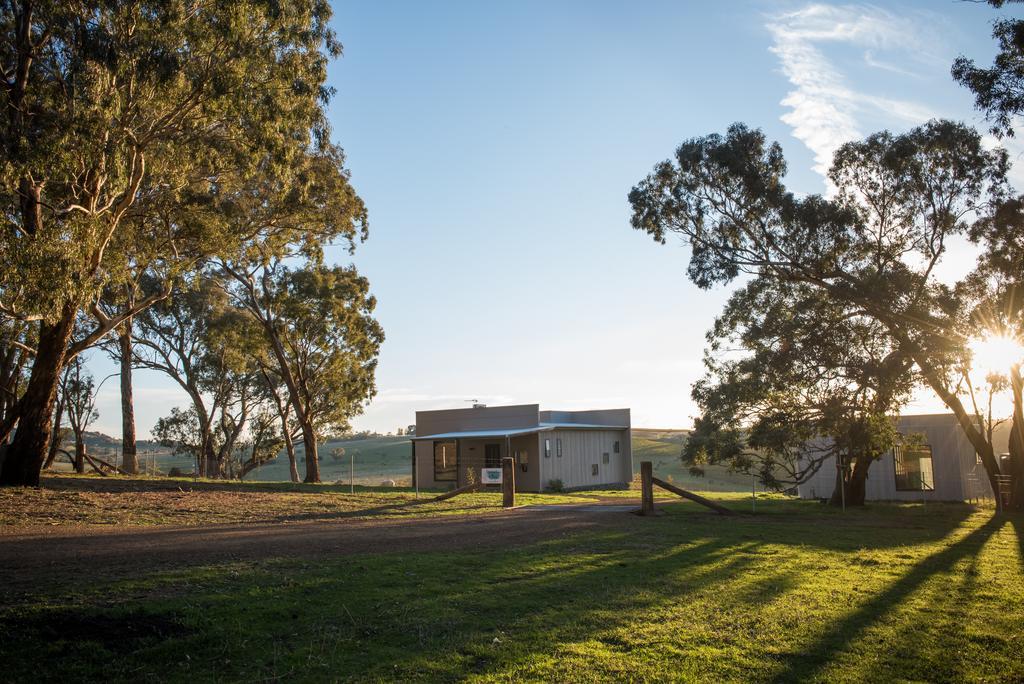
{"type": "Point", "coordinates": [578, 449]}
{"type": "Point", "coordinates": [944, 467]}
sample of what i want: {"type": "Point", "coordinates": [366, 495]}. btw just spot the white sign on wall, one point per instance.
{"type": "Point", "coordinates": [490, 475]}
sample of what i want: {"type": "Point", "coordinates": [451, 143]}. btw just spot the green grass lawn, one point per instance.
{"type": "Point", "coordinates": [797, 592]}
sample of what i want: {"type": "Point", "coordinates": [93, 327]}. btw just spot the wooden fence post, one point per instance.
{"type": "Point", "coordinates": [508, 482]}
{"type": "Point", "coordinates": [646, 488]}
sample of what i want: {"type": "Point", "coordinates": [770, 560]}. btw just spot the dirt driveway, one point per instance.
{"type": "Point", "coordinates": [32, 557]}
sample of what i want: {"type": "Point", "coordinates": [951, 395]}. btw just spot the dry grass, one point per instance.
{"type": "Point", "coordinates": [84, 500]}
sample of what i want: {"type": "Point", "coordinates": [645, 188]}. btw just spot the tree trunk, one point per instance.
{"type": "Point", "coordinates": [205, 446]}
{"type": "Point", "coordinates": [312, 459]}
{"type": "Point", "coordinates": [58, 416]}
{"type": "Point", "coordinates": [289, 444]}
{"type": "Point", "coordinates": [212, 464]}
{"type": "Point", "coordinates": [129, 449]}
{"type": "Point", "coordinates": [982, 446]}
{"type": "Point", "coordinates": [79, 455]}
{"type": "Point", "coordinates": [1017, 441]}
{"type": "Point", "coordinates": [856, 484]}
{"type": "Point", "coordinates": [28, 451]}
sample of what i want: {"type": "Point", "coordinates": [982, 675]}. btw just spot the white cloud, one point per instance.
{"type": "Point", "coordinates": [823, 108]}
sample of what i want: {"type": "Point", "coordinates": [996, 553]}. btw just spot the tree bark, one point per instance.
{"type": "Point", "coordinates": [79, 455]}
{"type": "Point", "coordinates": [212, 464]}
{"type": "Point", "coordinates": [286, 428]}
{"type": "Point", "coordinates": [1017, 441]}
{"type": "Point", "coordinates": [58, 416]}
{"type": "Point", "coordinates": [129, 449]}
{"type": "Point", "coordinates": [28, 451]}
{"type": "Point", "coordinates": [312, 458]}
{"type": "Point", "coordinates": [856, 484]}
{"type": "Point", "coordinates": [289, 444]}
{"type": "Point", "coordinates": [982, 446]}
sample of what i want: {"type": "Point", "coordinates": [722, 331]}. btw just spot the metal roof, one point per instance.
{"type": "Point", "coordinates": [470, 434]}
{"type": "Point", "coordinates": [582, 426]}
{"type": "Point", "coordinates": [512, 432]}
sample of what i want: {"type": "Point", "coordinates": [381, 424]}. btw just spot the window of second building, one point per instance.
{"type": "Point", "coordinates": [914, 471]}
{"type": "Point", "coordinates": [547, 448]}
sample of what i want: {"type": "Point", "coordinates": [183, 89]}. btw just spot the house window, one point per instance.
{"type": "Point", "coordinates": [914, 469]}
{"type": "Point", "coordinates": [605, 458]}
{"type": "Point", "coordinates": [445, 461]}
{"type": "Point", "coordinates": [547, 448]}
{"type": "Point", "coordinates": [492, 455]}
{"type": "Point", "coordinates": [615, 447]}
{"type": "Point", "coordinates": [558, 447]}
{"type": "Point", "coordinates": [523, 459]}
{"type": "Point", "coordinates": [594, 469]}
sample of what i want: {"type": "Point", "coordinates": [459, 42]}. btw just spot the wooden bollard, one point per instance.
{"type": "Point", "coordinates": [508, 482]}
{"type": "Point", "coordinates": [646, 488]}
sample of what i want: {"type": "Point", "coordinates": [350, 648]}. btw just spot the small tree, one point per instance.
{"type": "Point", "coordinates": [79, 390]}
{"type": "Point", "coordinates": [324, 342]}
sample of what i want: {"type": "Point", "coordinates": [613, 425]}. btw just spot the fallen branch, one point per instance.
{"type": "Point", "coordinates": [455, 492]}
{"type": "Point", "coordinates": [95, 467]}
{"type": "Point", "coordinates": [718, 508]}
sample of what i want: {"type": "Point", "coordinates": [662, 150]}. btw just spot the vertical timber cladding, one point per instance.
{"type": "Point", "coordinates": [588, 459]}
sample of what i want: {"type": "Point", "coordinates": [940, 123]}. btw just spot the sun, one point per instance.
{"type": "Point", "coordinates": [996, 353]}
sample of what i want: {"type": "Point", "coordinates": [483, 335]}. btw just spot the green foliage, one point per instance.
{"type": "Point", "coordinates": [793, 379]}
{"type": "Point", "coordinates": [321, 339]}
{"type": "Point", "coordinates": [213, 351]}
{"type": "Point", "coordinates": [330, 340]}
{"type": "Point", "coordinates": [138, 135]}
{"type": "Point", "coordinates": [132, 120]}
{"type": "Point", "coordinates": [999, 89]}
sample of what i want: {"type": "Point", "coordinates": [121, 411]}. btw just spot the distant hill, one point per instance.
{"type": "Point", "coordinates": [375, 459]}
{"type": "Point", "coordinates": [102, 442]}
{"type": "Point", "coordinates": [664, 447]}
{"type": "Point", "coordinates": [379, 458]}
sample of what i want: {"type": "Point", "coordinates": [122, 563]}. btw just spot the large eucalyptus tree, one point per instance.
{"type": "Point", "coordinates": [124, 124]}
{"type": "Point", "coordinates": [873, 248]}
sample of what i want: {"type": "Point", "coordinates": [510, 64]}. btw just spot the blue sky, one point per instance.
{"type": "Point", "coordinates": [495, 144]}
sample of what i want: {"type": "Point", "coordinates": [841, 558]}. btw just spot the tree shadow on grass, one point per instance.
{"type": "Point", "coordinates": [409, 614]}
{"type": "Point", "coordinates": [430, 616]}
{"type": "Point", "coordinates": [815, 657]}
{"type": "Point", "coordinates": [1017, 520]}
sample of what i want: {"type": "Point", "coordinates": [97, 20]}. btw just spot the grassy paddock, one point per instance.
{"type": "Point", "coordinates": [797, 592]}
